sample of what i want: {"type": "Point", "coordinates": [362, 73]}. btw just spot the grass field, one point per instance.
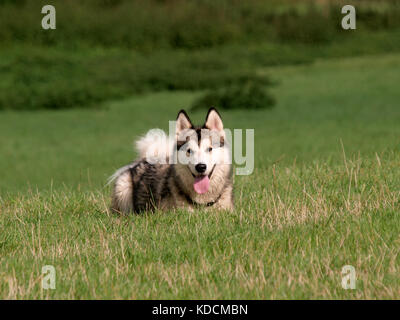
{"type": "Point", "coordinates": [325, 193]}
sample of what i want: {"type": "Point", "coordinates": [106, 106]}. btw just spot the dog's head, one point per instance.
{"type": "Point", "coordinates": [201, 150]}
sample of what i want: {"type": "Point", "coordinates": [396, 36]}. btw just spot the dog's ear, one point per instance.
{"type": "Point", "coordinates": [213, 120]}
{"type": "Point", "coordinates": [182, 122]}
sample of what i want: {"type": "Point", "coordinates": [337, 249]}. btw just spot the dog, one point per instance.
{"type": "Point", "coordinates": [191, 170]}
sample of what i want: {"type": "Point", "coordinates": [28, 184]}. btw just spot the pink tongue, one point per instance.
{"type": "Point", "coordinates": [201, 184]}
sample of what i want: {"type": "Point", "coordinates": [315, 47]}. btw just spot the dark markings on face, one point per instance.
{"type": "Point", "coordinates": [221, 141]}
{"type": "Point", "coordinates": [181, 143]}
{"type": "Point", "coordinates": [197, 131]}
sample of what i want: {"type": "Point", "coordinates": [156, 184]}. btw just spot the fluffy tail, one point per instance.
{"type": "Point", "coordinates": [155, 147]}
{"type": "Point", "coordinates": [118, 173]}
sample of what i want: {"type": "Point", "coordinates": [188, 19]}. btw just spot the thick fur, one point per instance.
{"type": "Point", "coordinates": [146, 185]}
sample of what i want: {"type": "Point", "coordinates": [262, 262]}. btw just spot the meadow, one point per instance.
{"type": "Point", "coordinates": [324, 194]}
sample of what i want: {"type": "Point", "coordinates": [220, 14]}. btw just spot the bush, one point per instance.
{"type": "Point", "coordinates": [107, 49]}
{"type": "Point", "coordinates": [177, 24]}
{"type": "Point", "coordinates": [252, 95]}
{"type": "Point", "coordinates": [59, 79]}
{"type": "Point", "coordinates": [309, 27]}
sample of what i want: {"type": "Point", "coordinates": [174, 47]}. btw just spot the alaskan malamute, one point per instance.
{"type": "Point", "coordinates": [192, 170]}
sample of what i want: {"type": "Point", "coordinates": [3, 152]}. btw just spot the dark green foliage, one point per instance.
{"type": "Point", "coordinates": [250, 95]}
{"type": "Point", "coordinates": [58, 79]}
{"type": "Point", "coordinates": [309, 27]}
{"type": "Point", "coordinates": [54, 78]}
{"type": "Point", "coordinates": [189, 24]}
{"type": "Point", "coordinates": [110, 49]}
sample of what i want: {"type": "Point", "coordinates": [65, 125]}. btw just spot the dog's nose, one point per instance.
{"type": "Point", "coordinates": [201, 167]}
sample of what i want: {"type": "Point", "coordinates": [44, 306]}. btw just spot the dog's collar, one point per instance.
{"type": "Point", "coordinates": [208, 204]}
{"type": "Point", "coordinates": [191, 201]}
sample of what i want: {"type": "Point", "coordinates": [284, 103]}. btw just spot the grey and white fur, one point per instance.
{"type": "Point", "coordinates": [201, 176]}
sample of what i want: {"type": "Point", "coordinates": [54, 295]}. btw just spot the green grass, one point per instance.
{"type": "Point", "coordinates": [324, 194]}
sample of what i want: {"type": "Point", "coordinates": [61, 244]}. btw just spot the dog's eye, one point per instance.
{"type": "Point", "coordinates": [209, 149]}
{"type": "Point", "coordinates": [189, 152]}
